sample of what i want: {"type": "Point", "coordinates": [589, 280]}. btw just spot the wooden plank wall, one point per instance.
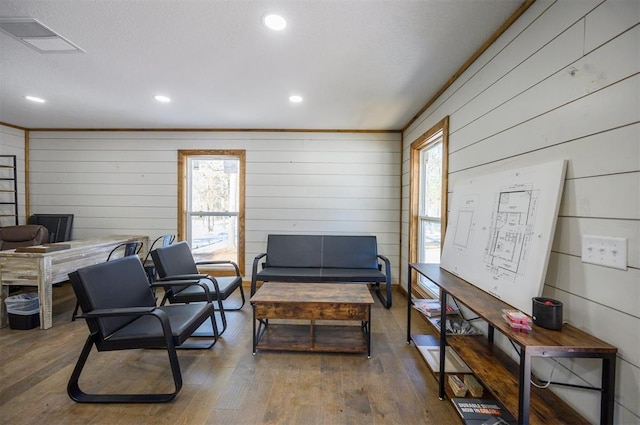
{"type": "Point", "coordinates": [12, 141]}
{"type": "Point", "coordinates": [312, 182]}
{"type": "Point", "coordinates": [563, 82]}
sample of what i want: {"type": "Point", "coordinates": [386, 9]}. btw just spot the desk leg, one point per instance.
{"type": "Point", "coordinates": [369, 332]}
{"type": "Point", "coordinates": [45, 298]}
{"type": "Point", "coordinates": [443, 345]}
{"type": "Point", "coordinates": [608, 389]}
{"type": "Point", "coordinates": [524, 395]}
{"type": "Point", "coordinates": [255, 336]}
{"type": "Point", "coordinates": [409, 285]}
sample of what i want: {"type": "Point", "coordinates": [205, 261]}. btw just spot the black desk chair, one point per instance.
{"type": "Point", "coordinates": [175, 262]}
{"type": "Point", "coordinates": [127, 248]}
{"type": "Point", "coordinates": [119, 308]}
{"type": "Point", "coordinates": [149, 266]}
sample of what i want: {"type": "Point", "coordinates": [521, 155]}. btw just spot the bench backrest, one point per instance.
{"type": "Point", "coordinates": [327, 251]}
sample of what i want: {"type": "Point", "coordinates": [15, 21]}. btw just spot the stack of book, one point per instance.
{"type": "Point", "coordinates": [431, 307]}
{"type": "Point", "coordinates": [482, 411]}
{"type": "Point", "coordinates": [517, 320]}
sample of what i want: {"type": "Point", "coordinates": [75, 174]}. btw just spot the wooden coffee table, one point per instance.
{"type": "Point", "coordinates": [298, 308]}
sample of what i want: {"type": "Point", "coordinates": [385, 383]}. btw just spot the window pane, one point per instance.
{"type": "Point", "coordinates": [214, 237]}
{"type": "Point", "coordinates": [430, 252]}
{"type": "Point", "coordinates": [430, 234]}
{"type": "Point", "coordinates": [433, 181]}
{"type": "Point", "coordinates": [213, 207]}
{"type": "Point", "coordinates": [214, 185]}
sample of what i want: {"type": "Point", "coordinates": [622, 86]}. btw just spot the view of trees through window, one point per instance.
{"type": "Point", "coordinates": [431, 203]}
{"type": "Point", "coordinates": [213, 207]}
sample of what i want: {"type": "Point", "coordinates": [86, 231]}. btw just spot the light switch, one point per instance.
{"type": "Point", "coordinates": [605, 251]}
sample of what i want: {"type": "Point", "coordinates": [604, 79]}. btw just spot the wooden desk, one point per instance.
{"type": "Point", "coordinates": [492, 367]}
{"type": "Point", "coordinates": [44, 269]}
{"type": "Point", "coordinates": [311, 302]}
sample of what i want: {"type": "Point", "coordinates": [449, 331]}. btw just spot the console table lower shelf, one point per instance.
{"type": "Point", "coordinates": [500, 375]}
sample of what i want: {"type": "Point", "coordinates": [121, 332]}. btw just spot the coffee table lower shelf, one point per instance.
{"type": "Point", "coordinates": [312, 337]}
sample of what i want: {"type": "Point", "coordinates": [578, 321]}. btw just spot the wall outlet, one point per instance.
{"type": "Point", "coordinates": [605, 251]}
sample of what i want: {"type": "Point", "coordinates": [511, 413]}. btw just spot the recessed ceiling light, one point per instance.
{"type": "Point", "coordinates": [295, 98]}
{"type": "Point", "coordinates": [161, 98]}
{"type": "Point", "coordinates": [35, 99]}
{"type": "Point", "coordinates": [274, 22]}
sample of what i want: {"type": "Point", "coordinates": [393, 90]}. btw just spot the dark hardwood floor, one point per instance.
{"type": "Point", "coordinates": [225, 384]}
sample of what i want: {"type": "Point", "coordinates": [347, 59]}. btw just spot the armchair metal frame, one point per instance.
{"type": "Point", "coordinates": [119, 308]}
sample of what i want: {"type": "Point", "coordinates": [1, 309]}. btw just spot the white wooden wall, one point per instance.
{"type": "Point", "coordinates": [563, 82]}
{"type": "Point", "coordinates": [12, 143]}
{"type": "Point", "coordinates": [126, 182]}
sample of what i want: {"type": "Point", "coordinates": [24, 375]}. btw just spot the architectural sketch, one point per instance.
{"type": "Point", "coordinates": [510, 232]}
{"type": "Point", "coordinates": [465, 224]}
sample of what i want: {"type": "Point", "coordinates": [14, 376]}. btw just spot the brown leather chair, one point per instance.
{"type": "Point", "coordinates": [12, 237]}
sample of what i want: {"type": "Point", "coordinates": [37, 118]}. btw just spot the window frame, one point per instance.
{"type": "Point", "coordinates": [415, 177]}
{"type": "Point", "coordinates": [184, 190]}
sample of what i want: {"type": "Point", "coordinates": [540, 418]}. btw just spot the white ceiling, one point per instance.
{"type": "Point", "coordinates": [359, 64]}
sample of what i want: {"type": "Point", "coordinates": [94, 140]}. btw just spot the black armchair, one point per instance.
{"type": "Point", "coordinates": [120, 311]}
{"type": "Point", "coordinates": [175, 262]}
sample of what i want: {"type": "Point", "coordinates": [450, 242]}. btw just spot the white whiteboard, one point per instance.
{"type": "Point", "coordinates": [500, 231]}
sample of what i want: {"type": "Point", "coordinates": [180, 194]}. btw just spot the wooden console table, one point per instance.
{"type": "Point", "coordinates": [309, 302]}
{"type": "Point", "coordinates": [43, 269]}
{"type": "Point", "coordinates": [492, 367]}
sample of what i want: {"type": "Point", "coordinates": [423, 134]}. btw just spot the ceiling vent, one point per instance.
{"type": "Point", "coordinates": [37, 36]}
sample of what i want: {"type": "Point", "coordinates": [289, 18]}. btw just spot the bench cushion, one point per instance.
{"type": "Point", "coordinates": [303, 274]}
{"type": "Point", "coordinates": [352, 275]}
{"type": "Point", "coordinates": [289, 274]}
{"type": "Point", "coordinates": [350, 252]}
{"type": "Point", "coordinates": [322, 251]}
{"type": "Point", "coordinates": [294, 251]}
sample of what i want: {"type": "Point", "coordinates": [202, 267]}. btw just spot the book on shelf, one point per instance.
{"type": "Point", "coordinates": [452, 361]}
{"type": "Point", "coordinates": [456, 326]}
{"type": "Point", "coordinates": [431, 307]}
{"type": "Point", "coordinates": [479, 411]}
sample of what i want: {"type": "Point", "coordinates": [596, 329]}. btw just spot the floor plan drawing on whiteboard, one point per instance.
{"type": "Point", "coordinates": [511, 231]}
{"type": "Point", "coordinates": [465, 223]}
{"type": "Point", "coordinates": [500, 230]}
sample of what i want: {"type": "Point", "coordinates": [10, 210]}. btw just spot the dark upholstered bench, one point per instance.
{"type": "Point", "coordinates": [323, 258]}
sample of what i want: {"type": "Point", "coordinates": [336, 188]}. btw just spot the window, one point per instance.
{"type": "Point", "coordinates": [430, 193]}
{"type": "Point", "coordinates": [428, 199]}
{"type": "Point", "coordinates": [211, 206]}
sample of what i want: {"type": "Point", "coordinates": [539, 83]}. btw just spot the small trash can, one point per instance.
{"type": "Point", "coordinates": [23, 311]}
